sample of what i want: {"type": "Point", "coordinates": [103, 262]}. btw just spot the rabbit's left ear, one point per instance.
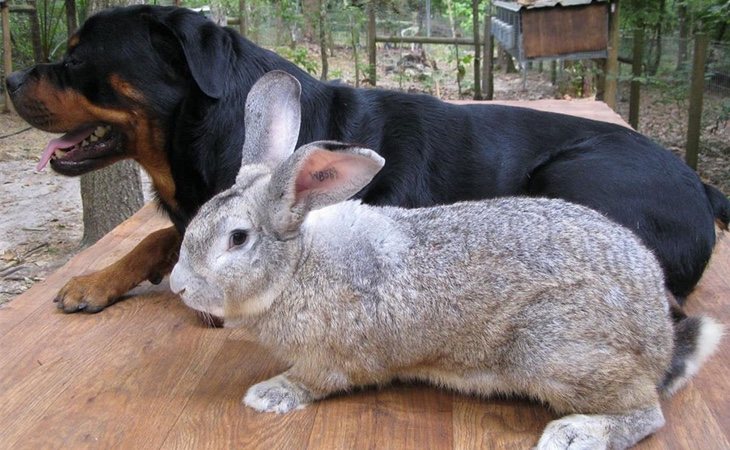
{"type": "Point", "coordinates": [273, 116]}
{"type": "Point", "coordinates": [318, 175]}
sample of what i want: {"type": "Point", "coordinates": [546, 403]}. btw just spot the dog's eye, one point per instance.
{"type": "Point", "coordinates": [237, 238]}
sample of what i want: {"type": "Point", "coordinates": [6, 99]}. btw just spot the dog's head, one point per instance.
{"type": "Point", "coordinates": [117, 87]}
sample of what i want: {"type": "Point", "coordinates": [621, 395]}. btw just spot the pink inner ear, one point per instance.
{"type": "Point", "coordinates": [323, 171]}
{"type": "Point", "coordinates": [316, 173]}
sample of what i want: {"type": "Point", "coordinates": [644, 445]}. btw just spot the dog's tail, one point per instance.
{"type": "Point", "coordinates": [695, 339]}
{"type": "Point", "coordinates": [720, 206]}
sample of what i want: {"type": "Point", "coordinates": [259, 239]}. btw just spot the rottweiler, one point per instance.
{"type": "Point", "coordinates": [166, 87]}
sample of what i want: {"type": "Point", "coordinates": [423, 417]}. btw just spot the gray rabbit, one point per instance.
{"type": "Point", "coordinates": [526, 296]}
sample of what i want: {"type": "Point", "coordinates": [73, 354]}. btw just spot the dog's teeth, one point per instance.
{"type": "Point", "coordinates": [101, 131]}
{"type": "Point", "coordinates": [93, 138]}
{"type": "Point", "coordinates": [85, 142]}
{"type": "Point", "coordinates": [59, 153]}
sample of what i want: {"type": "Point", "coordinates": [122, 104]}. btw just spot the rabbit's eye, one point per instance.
{"type": "Point", "coordinates": [238, 238]}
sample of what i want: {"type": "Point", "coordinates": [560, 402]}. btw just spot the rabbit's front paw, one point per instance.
{"type": "Point", "coordinates": [277, 395]}
{"type": "Point", "coordinates": [575, 432]}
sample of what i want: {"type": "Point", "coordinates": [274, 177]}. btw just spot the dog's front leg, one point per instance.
{"type": "Point", "coordinates": [151, 259]}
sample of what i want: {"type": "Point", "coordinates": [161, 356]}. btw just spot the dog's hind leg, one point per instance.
{"type": "Point", "coordinates": [594, 432]}
{"type": "Point", "coordinates": [151, 259]}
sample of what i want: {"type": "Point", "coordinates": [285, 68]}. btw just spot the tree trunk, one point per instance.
{"type": "Point", "coordinates": [7, 52]}
{"type": "Point", "coordinates": [35, 34]}
{"type": "Point", "coordinates": [450, 11]}
{"type": "Point", "coordinates": [110, 195]}
{"type": "Point", "coordinates": [71, 22]}
{"type": "Point", "coordinates": [653, 65]}
{"type": "Point", "coordinates": [310, 11]}
{"type": "Point", "coordinates": [372, 48]}
{"type": "Point", "coordinates": [323, 38]}
{"type": "Point", "coordinates": [683, 19]}
{"type": "Point", "coordinates": [218, 13]}
{"type": "Point", "coordinates": [242, 17]}
{"type": "Point", "coordinates": [355, 39]}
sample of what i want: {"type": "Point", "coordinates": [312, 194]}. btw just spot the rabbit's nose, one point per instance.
{"type": "Point", "coordinates": [177, 280]}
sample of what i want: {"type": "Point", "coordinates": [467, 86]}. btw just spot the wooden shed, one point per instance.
{"type": "Point", "coordinates": [533, 30]}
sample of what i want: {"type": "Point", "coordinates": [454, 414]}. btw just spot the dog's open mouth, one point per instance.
{"type": "Point", "coordinates": [82, 150]}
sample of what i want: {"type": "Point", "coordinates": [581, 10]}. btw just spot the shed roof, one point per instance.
{"type": "Point", "coordinates": [533, 4]}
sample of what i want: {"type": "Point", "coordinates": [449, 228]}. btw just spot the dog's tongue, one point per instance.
{"type": "Point", "coordinates": [66, 141]}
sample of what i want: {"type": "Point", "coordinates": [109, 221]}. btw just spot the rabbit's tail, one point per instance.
{"type": "Point", "coordinates": [695, 339]}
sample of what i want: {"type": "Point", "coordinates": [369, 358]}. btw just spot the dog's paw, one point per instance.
{"type": "Point", "coordinates": [87, 293]}
{"type": "Point", "coordinates": [575, 432]}
{"type": "Point", "coordinates": [277, 395]}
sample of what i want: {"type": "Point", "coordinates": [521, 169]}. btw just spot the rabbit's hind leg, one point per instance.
{"type": "Point", "coordinates": [594, 432]}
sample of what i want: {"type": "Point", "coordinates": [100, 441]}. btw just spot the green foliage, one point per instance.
{"type": "Point", "coordinates": [51, 15]}
{"type": "Point", "coordinates": [301, 57]}
{"type": "Point", "coordinates": [21, 41]}
{"type": "Point", "coordinates": [461, 65]}
{"type": "Point", "coordinates": [712, 16]}
{"type": "Point", "coordinates": [51, 18]}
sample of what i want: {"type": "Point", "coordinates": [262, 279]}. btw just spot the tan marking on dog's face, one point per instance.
{"type": "Point", "coordinates": [61, 111]}
{"type": "Point", "coordinates": [126, 89]}
{"type": "Point", "coordinates": [73, 41]}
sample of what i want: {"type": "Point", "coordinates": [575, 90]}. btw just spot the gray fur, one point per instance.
{"type": "Point", "coordinates": [523, 296]}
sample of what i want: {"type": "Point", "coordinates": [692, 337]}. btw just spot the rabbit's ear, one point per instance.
{"type": "Point", "coordinates": [318, 175]}
{"type": "Point", "coordinates": [273, 116]}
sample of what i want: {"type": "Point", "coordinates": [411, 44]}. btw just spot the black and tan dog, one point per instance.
{"type": "Point", "coordinates": [166, 87]}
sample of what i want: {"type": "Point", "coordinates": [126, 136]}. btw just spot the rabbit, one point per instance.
{"type": "Point", "coordinates": [527, 296]}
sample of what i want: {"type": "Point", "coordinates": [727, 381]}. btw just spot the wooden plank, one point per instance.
{"type": "Point", "coordinates": [214, 416]}
{"type": "Point", "coordinates": [586, 108]}
{"type": "Point", "coordinates": [711, 298]}
{"type": "Point", "coordinates": [498, 423]}
{"type": "Point", "coordinates": [396, 416]}
{"type": "Point", "coordinates": [110, 247]}
{"type": "Point", "coordinates": [132, 382]}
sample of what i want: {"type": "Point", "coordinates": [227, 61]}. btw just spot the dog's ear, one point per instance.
{"type": "Point", "coordinates": [204, 46]}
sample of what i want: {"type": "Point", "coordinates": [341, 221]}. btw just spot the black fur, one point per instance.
{"type": "Point", "coordinates": [195, 77]}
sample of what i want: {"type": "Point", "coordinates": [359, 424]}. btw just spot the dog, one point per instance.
{"type": "Point", "coordinates": [166, 87]}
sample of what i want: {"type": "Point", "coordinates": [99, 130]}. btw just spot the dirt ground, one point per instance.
{"type": "Point", "coordinates": [40, 213]}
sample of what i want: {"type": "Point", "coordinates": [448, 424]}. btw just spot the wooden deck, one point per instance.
{"type": "Point", "coordinates": [146, 373]}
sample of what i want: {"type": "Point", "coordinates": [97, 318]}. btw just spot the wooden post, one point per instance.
{"type": "Point", "coordinates": [554, 72]}
{"type": "Point", "coordinates": [635, 92]}
{"type": "Point", "coordinates": [610, 89]}
{"type": "Point", "coordinates": [696, 92]}
{"type": "Point", "coordinates": [372, 73]}
{"type": "Point", "coordinates": [7, 53]}
{"type": "Point", "coordinates": [477, 55]}
{"type": "Point", "coordinates": [488, 63]}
